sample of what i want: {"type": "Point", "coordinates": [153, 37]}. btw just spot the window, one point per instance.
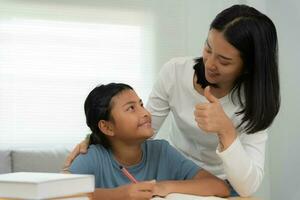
{"type": "Point", "coordinates": [48, 67]}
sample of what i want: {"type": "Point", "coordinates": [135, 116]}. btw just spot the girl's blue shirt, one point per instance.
{"type": "Point", "coordinates": [160, 161]}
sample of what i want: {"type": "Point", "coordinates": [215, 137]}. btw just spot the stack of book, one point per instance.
{"type": "Point", "coordinates": [31, 185]}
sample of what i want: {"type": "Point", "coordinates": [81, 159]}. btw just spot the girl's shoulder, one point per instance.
{"type": "Point", "coordinates": [96, 150]}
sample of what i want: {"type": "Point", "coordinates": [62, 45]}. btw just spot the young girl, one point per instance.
{"type": "Point", "coordinates": [120, 128]}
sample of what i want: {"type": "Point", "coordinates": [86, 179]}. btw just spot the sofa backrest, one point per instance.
{"type": "Point", "coordinates": [5, 161]}
{"type": "Point", "coordinates": [32, 160]}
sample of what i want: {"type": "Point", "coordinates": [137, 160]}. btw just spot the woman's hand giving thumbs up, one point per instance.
{"type": "Point", "coordinates": [211, 118]}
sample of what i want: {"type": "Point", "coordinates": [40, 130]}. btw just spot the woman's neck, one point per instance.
{"type": "Point", "coordinates": [127, 155]}
{"type": "Point", "coordinates": [218, 92]}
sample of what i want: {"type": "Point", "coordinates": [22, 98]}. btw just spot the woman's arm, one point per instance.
{"type": "Point", "coordinates": [187, 177]}
{"type": "Point", "coordinates": [203, 184]}
{"type": "Point", "coordinates": [158, 101]}
{"type": "Point", "coordinates": [243, 162]}
{"type": "Point", "coordinates": [242, 154]}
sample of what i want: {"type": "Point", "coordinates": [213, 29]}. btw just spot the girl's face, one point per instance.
{"type": "Point", "coordinates": [131, 121]}
{"type": "Point", "coordinates": [222, 61]}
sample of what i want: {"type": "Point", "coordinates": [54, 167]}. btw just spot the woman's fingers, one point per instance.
{"type": "Point", "coordinates": [79, 148]}
{"type": "Point", "coordinates": [71, 157]}
{"type": "Point", "coordinates": [83, 146]}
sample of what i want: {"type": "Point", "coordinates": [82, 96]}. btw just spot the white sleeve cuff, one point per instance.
{"type": "Point", "coordinates": [245, 174]}
{"type": "Point", "coordinates": [233, 157]}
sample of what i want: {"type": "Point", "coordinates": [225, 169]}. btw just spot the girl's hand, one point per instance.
{"type": "Point", "coordinates": [211, 117]}
{"type": "Point", "coordinates": [137, 191]}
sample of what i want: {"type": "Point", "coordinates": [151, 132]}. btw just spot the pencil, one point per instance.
{"type": "Point", "coordinates": [127, 174]}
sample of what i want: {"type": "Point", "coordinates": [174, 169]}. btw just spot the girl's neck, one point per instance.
{"type": "Point", "coordinates": [127, 155]}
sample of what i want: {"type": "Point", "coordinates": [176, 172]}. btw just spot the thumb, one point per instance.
{"type": "Point", "coordinates": [209, 96]}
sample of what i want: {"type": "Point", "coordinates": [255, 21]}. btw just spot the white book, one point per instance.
{"type": "Point", "coordinates": [179, 196]}
{"type": "Point", "coordinates": [31, 185]}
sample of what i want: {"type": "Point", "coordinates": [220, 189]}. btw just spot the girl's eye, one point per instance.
{"type": "Point", "coordinates": [131, 108]}
{"type": "Point", "coordinates": [142, 105]}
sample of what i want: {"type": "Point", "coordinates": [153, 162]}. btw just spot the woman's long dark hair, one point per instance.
{"type": "Point", "coordinates": [254, 35]}
{"type": "Point", "coordinates": [97, 106]}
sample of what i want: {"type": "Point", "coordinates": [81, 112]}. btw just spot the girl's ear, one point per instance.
{"type": "Point", "coordinates": [106, 127]}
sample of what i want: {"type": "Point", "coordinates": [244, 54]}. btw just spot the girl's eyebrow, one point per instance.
{"type": "Point", "coordinates": [131, 102]}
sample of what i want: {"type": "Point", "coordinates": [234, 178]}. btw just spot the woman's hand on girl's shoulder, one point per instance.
{"type": "Point", "coordinates": [79, 148]}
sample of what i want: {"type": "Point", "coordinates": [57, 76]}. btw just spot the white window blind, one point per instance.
{"type": "Point", "coordinates": [47, 68]}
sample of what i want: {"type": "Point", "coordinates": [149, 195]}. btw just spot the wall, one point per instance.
{"type": "Point", "coordinates": [284, 138]}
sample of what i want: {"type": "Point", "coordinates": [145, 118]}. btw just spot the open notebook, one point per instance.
{"type": "Point", "coordinates": [178, 196]}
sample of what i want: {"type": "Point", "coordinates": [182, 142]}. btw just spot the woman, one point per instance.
{"type": "Point", "coordinates": [223, 127]}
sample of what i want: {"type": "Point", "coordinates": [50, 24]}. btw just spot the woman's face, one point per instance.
{"type": "Point", "coordinates": [222, 61]}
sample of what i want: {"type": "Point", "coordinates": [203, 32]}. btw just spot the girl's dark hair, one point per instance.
{"type": "Point", "coordinates": [254, 35]}
{"type": "Point", "coordinates": [97, 106]}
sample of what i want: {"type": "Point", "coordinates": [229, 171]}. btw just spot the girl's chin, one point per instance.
{"type": "Point", "coordinates": [151, 134]}
{"type": "Point", "coordinates": [148, 133]}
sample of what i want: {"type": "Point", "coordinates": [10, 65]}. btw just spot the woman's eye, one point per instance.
{"type": "Point", "coordinates": [207, 50]}
{"type": "Point", "coordinates": [224, 64]}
